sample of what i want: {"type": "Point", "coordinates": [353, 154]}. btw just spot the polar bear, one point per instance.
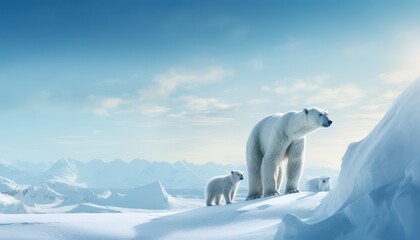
{"type": "Point", "coordinates": [273, 140]}
{"type": "Point", "coordinates": [319, 184]}
{"type": "Point", "coordinates": [225, 186]}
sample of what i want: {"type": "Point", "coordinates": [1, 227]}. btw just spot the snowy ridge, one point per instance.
{"type": "Point", "coordinates": [378, 191]}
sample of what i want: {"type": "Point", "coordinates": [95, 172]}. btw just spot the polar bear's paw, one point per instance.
{"type": "Point", "coordinates": [270, 194]}
{"type": "Point", "coordinates": [294, 190]}
{"type": "Point", "coordinates": [253, 196]}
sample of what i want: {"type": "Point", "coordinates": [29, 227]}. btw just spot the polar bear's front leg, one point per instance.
{"type": "Point", "coordinates": [227, 197]}
{"type": "Point", "coordinates": [269, 168]}
{"type": "Point", "coordinates": [217, 199]}
{"type": "Point", "coordinates": [279, 177]}
{"type": "Point", "coordinates": [295, 165]}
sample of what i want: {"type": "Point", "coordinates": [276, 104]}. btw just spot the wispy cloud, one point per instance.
{"type": "Point", "coordinates": [399, 76]}
{"type": "Point", "coordinates": [203, 111]}
{"type": "Point", "coordinates": [152, 100]}
{"type": "Point", "coordinates": [258, 101]}
{"type": "Point", "coordinates": [205, 104]}
{"type": "Point", "coordinates": [291, 44]}
{"type": "Point", "coordinates": [256, 63]}
{"type": "Point", "coordinates": [169, 82]}
{"type": "Point", "coordinates": [338, 97]}
{"type": "Point", "coordinates": [188, 118]}
{"type": "Point", "coordinates": [296, 87]}
{"type": "Point", "coordinates": [316, 92]}
{"type": "Point", "coordinates": [154, 110]}
{"type": "Point", "coordinates": [104, 105]}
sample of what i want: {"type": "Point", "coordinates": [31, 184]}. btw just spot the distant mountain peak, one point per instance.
{"type": "Point", "coordinates": [64, 168]}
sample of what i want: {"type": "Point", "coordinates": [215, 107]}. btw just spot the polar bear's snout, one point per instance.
{"type": "Point", "coordinates": [328, 123]}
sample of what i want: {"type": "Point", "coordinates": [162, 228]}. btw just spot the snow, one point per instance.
{"type": "Point", "coordinates": [256, 219]}
{"type": "Point", "coordinates": [73, 226]}
{"type": "Point", "coordinates": [376, 197]}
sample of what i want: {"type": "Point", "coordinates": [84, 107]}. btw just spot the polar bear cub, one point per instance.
{"type": "Point", "coordinates": [319, 184]}
{"type": "Point", "coordinates": [225, 186]}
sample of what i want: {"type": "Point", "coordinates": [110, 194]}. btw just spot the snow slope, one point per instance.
{"type": "Point", "coordinates": [242, 220]}
{"type": "Point", "coordinates": [378, 191]}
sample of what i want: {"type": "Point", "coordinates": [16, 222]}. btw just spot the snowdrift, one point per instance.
{"type": "Point", "coordinates": [151, 196]}
{"type": "Point", "coordinates": [378, 191]}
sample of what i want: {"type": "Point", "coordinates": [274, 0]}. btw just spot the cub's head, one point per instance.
{"type": "Point", "coordinates": [237, 175]}
{"type": "Point", "coordinates": [317, 117]}
{"type": "Point", "coordinates": [324, 183]}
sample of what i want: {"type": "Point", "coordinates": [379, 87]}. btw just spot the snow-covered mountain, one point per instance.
{"type": "Point", "coordinates": [8, 186]}
{"type": "Point", "coordinates": [181, 174]}
{"type": "Point", "coordinates": [64, 169]}
{"type": "Point", "coordinates": [119, 174]}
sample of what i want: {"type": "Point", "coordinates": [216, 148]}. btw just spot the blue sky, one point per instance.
{"type": "Point", "coordinates": [174, 80]}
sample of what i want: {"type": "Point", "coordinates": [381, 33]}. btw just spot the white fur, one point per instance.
{"type": "Point", "coordinates": [273, 140]}
{"type": "Point", "coordinates": [223, 186]}
{"type": "Point", "coordinates": [319, 184]}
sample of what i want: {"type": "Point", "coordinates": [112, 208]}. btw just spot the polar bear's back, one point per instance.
{"type": "Point", "coordinates": [216, 184]}
{"type": "Point", "coordinates": [311, 185]}
{"type": "Point", "coordinates": [261, 133]}
{"type": "Point", "coordinates": [319, 184]}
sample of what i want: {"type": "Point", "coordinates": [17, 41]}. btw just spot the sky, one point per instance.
{"type": "Point", "coordinates": [187, 80]}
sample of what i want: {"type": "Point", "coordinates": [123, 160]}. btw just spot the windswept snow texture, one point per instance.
{"type": "Point", "coordinates": [378, 191]}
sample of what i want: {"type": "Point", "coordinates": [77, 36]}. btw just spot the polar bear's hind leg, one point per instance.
{"type": "Point", "coordinates": [254, 160]}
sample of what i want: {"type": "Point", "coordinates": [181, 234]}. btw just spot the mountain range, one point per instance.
{"type": "Point", "coordinates": [117, 174]}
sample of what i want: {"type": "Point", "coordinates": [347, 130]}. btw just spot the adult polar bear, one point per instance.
{"type": "Point", "coordinates": [275, 138]}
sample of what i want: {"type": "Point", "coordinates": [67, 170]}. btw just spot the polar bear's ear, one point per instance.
{"type": "Point", "coordinates": [305, 110]}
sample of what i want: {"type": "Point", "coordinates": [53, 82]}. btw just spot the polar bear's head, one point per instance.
{"type": "Point", "coordinates": [317, 117]}
{"type": "Point", "coordinates": [237, 176]}
{"type": "Point", "coordinates": [324, 184]}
